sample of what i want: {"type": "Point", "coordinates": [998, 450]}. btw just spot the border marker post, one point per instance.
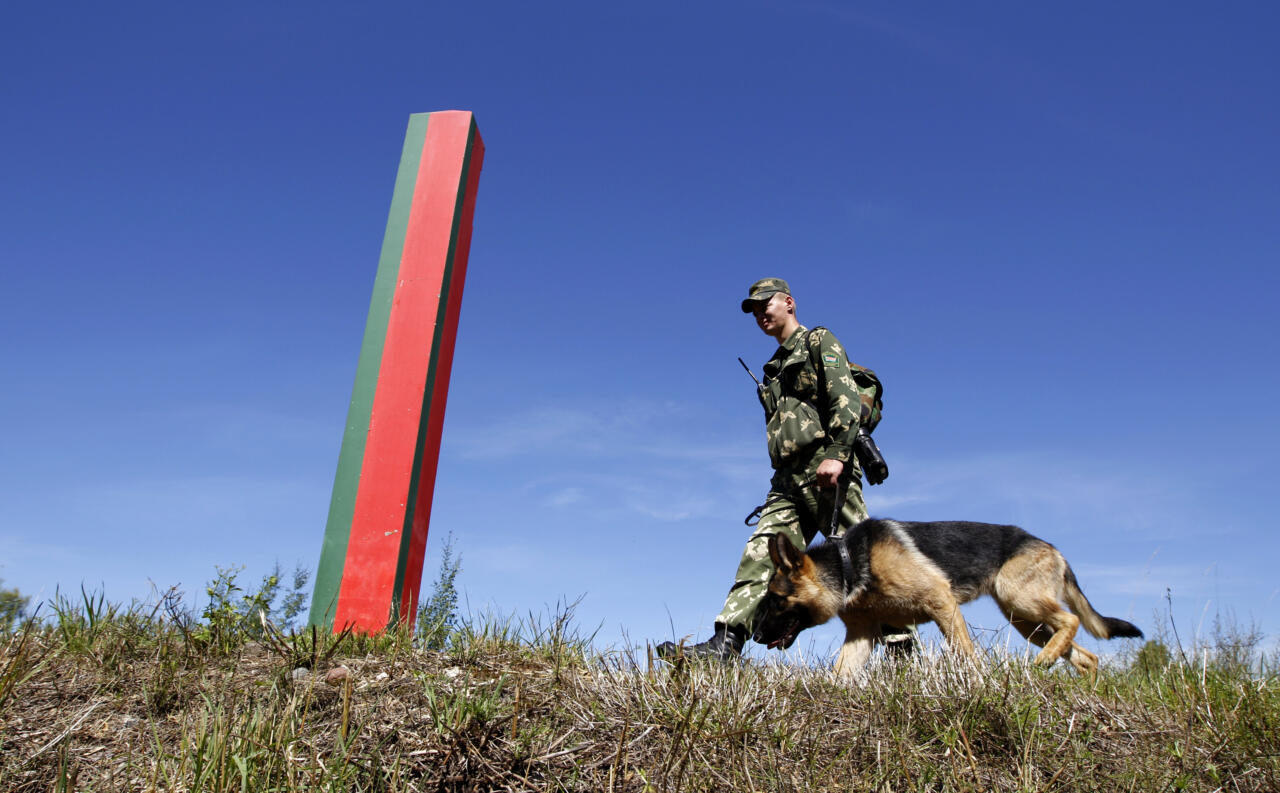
{"type": "Point", "coordinates": [371, 561]}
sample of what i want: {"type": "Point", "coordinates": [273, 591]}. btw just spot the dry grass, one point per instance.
{"type": "Point", "coordinates": [137, 701]}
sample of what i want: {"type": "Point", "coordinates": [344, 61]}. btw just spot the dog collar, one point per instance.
{"type": "Point", "coordinates": [846, 566]}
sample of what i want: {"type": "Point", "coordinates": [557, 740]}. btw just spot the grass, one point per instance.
{"type": "Point", "coordinates": [146, 697]}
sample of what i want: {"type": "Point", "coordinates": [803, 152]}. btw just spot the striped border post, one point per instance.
{"type": "Point", "coordinates": [371, 561]}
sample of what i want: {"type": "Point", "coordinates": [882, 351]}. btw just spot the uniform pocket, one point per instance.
{"type": "Point", "coordinates": [804, 384]}
{"type": "Point", "coordinates": [793, 427]}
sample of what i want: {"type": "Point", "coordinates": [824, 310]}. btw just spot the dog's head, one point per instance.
{"type": "Point", "coordinates": [794, 592]}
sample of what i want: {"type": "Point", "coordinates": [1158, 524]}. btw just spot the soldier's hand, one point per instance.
{"type": "Point", "coordinates": [829, 473]}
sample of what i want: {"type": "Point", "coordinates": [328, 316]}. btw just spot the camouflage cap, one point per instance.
{"type": "Point", "coordinates": [764, 289]}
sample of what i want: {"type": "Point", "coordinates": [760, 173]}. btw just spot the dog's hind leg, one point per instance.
{"type": "Point", "coordinates": [1028, 589]}
{"type": "Point", "coordinates": [1085, 662]}
{"type": "Point", "coordinates": [859, 638]}
{"type": "Point", "coordinates": [1048, 619]}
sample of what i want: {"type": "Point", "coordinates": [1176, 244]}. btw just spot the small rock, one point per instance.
{"type": "Point", "coordinates": [452, 672]}
{"type": "Point", "coordinates": [381, 676]}
{"type": "Point", "coordinates": [337, 675]}
{"type": "Point", "coordinates": [299, 674]}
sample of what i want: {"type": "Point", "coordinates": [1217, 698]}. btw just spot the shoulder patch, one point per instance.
{"type": "Point", "coordinates": [830, 358]}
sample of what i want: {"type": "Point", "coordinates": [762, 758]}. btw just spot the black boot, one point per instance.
{"type": "Point", "coordinates": [898, 642]}
{"type": "Point", "coordinates": [725, 645]}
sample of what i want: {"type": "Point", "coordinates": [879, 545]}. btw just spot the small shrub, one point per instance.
{"type": "Point", "coordinates": [235, 615]}
{"type": "Point", "coordinates": [13, 607]}
{"type": "Point", "coordinates": [1152, 659]}
{"type": "Point", "coordinates": [438, 616]}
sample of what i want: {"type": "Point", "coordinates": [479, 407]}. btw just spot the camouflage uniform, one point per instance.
{"type": "Point", "coordinates": [813, 408]}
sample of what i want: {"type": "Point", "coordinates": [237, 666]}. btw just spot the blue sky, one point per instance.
{"type": "Point", "coordinates": [1053, 232]}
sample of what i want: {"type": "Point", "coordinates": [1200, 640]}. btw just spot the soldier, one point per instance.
{"type": "Point", "coordinates": [813, 409]}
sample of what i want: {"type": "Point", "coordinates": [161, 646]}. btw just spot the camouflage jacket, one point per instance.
{"type": "Point", "coordinates": [812, 414]}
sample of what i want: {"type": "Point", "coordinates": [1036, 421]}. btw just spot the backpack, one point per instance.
{"type": "Point", "coordinates": [870, 389]}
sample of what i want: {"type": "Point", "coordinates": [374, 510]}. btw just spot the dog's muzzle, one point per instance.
{"type": "Point", "coordinates": [784, 640]}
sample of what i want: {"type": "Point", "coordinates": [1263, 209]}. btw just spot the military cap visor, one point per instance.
{"type": "Point", "coordinates": [762, 290]}
{"type": "Point", "coordinates": [748, 305]}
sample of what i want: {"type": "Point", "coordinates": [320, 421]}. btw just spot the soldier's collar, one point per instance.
{"type": "Point", "coordinates": [794, 338]}
{"type": "Point", "coordinates": [789, 353]}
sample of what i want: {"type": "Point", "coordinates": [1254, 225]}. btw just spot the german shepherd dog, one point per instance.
{"type": "Point", "coordinates": [898, 573]}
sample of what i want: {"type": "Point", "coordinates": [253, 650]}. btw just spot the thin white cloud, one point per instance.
{"type": "Point", "coordinates": [646, 458]}
{"type": "Point", "coordinates": [1074, 490]}
{"type": "Point", "coordinates": [655, 492]}
{"type": "Point", "coordinates": [1145, 580]}
{"type": "Point", "coordinates": [565, 497]}
{"type": "Point", "coordinates": [174, 506]}
{"type": "Point", "coordinates": [506, 559]}
{"type": "Point", "coordinates": [658, 429]}
{"type": "Point", "coordinates": [671, 509]}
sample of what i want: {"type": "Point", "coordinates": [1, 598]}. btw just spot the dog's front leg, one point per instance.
{"type": "Point", "coordinates": [945, 612]}
{"type": "Point", "coordinates": [859, 639]}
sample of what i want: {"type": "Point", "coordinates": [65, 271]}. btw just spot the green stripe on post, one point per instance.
{"type": "Point", "coordinates": [333, 553]}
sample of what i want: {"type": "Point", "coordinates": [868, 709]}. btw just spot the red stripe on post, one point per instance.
{"type": "Point", "coordinates": [443, 368]}
{"type": "Point", "coordinates": [366, 598]}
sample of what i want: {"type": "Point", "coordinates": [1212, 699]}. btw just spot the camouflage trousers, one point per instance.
{"type": "Point", "coordinates": [798, 513]}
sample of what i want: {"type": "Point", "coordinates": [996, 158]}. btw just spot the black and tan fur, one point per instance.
{"type": "Point", "coordinates": [906, 573]}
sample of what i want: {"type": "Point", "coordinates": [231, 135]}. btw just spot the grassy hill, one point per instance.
{"type": "Point", "coordinates": [101, 697]}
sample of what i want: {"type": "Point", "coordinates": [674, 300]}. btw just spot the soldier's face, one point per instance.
{"type": "Point", "coordinates": [771, 314]}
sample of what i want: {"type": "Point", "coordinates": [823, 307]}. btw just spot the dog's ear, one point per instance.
{"type": "Point", "coordinates": [785, 556]}
{"type": "Point", "coordinates": [776, 553]}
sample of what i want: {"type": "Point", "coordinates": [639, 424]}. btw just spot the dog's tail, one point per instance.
{"type": "Point", "coordinates": [1096, 624]}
